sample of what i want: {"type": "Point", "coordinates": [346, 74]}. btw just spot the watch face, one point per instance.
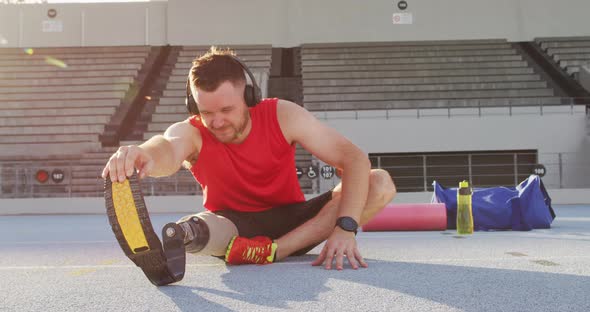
{"type": "Point", "coordinates": [347, 223]}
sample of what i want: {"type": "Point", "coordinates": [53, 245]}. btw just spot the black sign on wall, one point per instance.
{"type": "Point", "coordinates": [51, 13]}
{"type": "Point", "coordinates": [402, 5]}
{"type": "Point", "coordinates": [311, 172]}
{"type": "Point", "coordinates": [327, 172]}
{"type": "Point", "coordinates": [539, 170]}
{"type": "Point", "coordinates": [57, 175]}
{"type": "Point", "coordinates": [299, 172]}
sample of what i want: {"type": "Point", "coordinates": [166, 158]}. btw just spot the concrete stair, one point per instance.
{"type": "Point", "coordinates": [571, 53]}
{"type": "Point", "coordinates": [392, 75]}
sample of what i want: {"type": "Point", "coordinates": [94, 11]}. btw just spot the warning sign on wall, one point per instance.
{"type": "Point", "coordinates": [402, 18]}
{"type": "Point", "coordinates": [52, 26]}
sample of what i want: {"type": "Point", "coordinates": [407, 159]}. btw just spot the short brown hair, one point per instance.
{"type": "Point", "coordinates": [215, 67]}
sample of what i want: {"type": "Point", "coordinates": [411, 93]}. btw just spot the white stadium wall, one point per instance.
{"type": "Point", "coordinates": [83, 25]}
{"type": "Point", "coordinates": [286, 23]}
{"type": "Point", "coordinates": [549, 134]}
{"type": "Point", "coordinates": [515, 20]}
{"type": "Point", "coordinates": [290, 23]}
{"type": "Point", "coordinates": [204, 22]}
{"type": "Point", "coordinates": [132, 24]}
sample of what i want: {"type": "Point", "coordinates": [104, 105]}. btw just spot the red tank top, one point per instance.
{"type": "Point", "coordinates": [252, 176]}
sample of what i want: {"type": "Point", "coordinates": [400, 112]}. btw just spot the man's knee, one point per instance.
{"type": "Point", "coordinates": [211, 233]}
{"type": "Point", "coordinates": [382, 185]}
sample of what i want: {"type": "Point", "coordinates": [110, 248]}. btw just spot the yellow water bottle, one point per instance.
{"type": "Point", "coordinates": [464, 212]}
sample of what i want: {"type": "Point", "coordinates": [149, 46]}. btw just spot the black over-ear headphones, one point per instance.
{"type": "Point", "coordinates": [252, 94]}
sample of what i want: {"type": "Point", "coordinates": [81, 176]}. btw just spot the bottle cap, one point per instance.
{"type": "Point", "coordinates": [463, 184]}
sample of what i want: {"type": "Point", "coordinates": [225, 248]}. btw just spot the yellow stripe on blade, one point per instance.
{"type": "Point", "coordinates": [128, 217]}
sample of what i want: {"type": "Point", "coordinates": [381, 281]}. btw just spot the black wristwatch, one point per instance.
{"type": "Point", "coordinates": [347, 223]}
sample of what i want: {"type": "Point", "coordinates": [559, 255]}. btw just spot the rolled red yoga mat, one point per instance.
{"type": "Point", "coordinates": [409, 217]}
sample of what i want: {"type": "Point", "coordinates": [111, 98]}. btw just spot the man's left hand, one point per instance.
{"type": "Point", "coordinates": [340, 243]}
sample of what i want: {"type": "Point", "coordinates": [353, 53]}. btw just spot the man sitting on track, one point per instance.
{"type": "Point", "coordinates": [241, 149]}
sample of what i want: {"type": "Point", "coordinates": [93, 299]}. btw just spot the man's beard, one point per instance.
{"type": "Point", "coordinates": [239, 130]}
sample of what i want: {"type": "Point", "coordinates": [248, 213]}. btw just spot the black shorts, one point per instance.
{"type": "Point", "coordinates": [277, 221]}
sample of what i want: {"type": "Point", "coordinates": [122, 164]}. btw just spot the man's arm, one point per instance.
{"type": "Point", "coordinates": [161, 155]}
{"type": "Point", "coordinates": [170, 150]}
{"type": "Point", "coordinates": [299, 125]}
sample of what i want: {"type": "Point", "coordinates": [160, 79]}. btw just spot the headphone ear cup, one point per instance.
{"type": "Point", "coordinates": [189, 101]}
{"type": "Point", "coordinates": [256, 94]}
{"type": "Point", "coordinates": [191, 105]}
{"type": "Point", "coordinates": [249, 96]}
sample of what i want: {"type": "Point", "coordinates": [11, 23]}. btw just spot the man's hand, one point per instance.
{"type": "Point", "coordinates": [125, 160]}
{"type": "Point", "coordinates": [340, 243]}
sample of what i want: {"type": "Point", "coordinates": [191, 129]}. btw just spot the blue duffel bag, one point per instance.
{"type": "Point", "coordinates": [521, 208]}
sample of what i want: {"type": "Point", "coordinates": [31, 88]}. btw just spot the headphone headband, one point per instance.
{"type": "Point", "coordinates": [252, 94]}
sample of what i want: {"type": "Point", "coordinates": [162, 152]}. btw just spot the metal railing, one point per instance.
{"type": "Point", "coordinates": [559, 170]}
{"type": "Point", "coordinates": [21, 179]}
{"type": "Point", "coordinates": [180, 183]}
{"type": "Point", "coordinates": [450, 108]}
{"type": "Point", "coordinates": [562, 170]}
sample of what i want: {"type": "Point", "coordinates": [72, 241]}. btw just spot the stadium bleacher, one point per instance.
{"type": "Point", "coordinates": [397, 75]}
{"type": "Point", "coordinates": [57, 101]}
{"type": "Point", "coordinates": [570, 53]}
{"type": "Point", "coordinates": [48, 108]}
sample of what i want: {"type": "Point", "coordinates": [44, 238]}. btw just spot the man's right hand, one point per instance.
{"type": "Point", "coordinates": [125, 160]}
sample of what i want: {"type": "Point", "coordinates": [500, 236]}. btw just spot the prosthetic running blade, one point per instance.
{"type": "Point", "coordinates": [133, 229]}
